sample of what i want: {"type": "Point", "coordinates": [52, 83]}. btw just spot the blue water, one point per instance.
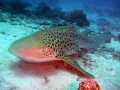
{"type": "Point", "coordinates": [79, 4]}
{"type": "Point", "coordinates": [112, 6]}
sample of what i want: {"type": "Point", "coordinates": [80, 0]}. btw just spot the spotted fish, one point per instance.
{"type": "Point", "coordinates": [53, 44]}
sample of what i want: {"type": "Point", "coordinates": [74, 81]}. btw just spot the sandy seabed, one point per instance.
{"type": "Point", "coordinates": [16, 74]}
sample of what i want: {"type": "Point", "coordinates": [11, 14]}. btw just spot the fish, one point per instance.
{"type": "Point", "coordinates": [54, 44]}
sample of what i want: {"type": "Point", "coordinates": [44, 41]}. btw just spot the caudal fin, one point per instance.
{"type": "Point", "coordinates": [100, 39]}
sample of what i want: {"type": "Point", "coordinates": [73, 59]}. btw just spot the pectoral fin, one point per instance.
{"type": "Point", "coordinates": [73, 63]}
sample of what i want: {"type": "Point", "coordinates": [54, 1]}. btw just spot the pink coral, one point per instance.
{"type": "Point", "coordinates": [89, 84]}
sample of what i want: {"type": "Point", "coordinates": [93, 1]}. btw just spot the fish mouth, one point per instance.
{"type": "Point", "coordinates": [10, 50]}
{"type": "Point", "coordinates": [13, 50]}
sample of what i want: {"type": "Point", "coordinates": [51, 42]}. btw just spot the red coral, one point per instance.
{"type": "Point", "coordinates": [89, 84]}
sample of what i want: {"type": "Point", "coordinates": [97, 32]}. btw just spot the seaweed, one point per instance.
{"type": "Point", "coordinates": [15, 6]}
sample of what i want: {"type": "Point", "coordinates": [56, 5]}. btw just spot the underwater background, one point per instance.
{"type": "Point", "coordinates": [20, 18]}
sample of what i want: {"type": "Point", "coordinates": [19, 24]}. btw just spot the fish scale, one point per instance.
{"type": "Point", "coordinates": [53, 44]}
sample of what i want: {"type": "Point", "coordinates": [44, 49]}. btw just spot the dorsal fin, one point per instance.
{"type": "Point", "coordinates": [86, 33]}
{"type": "Point", "coordinates": [70, 28]}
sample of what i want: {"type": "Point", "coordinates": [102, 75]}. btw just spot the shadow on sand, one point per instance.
{"type": "Point", "coordinates": [23, 69]}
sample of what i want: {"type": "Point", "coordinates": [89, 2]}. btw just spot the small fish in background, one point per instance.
{"type": "Point", "coordinates": [56, 44]}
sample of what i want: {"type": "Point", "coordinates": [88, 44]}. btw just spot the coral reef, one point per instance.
{"type": "Point", "coordinates": [77, 16]}
{"type": "Point", "coordinates": [43, 10]}
{"type": "Point", "coordinates": [15, 6]}
{"type": "Point", "coordinates": [19, 7]}
{"type": "Point", "coordinates": [57, 12]}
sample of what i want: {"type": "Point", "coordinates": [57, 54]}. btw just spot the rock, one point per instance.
{"type": "Point", "coordinates": [77, 16]}
{"type": "Point", "coordinates": [43, 10]}
{"type": "Point", "coordinates": [17, 6]}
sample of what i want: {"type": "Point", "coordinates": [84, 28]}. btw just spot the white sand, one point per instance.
{"type": "Point", "coordinates": [114, 44]}
{"type": "Point", "coordinates": [16, 74]}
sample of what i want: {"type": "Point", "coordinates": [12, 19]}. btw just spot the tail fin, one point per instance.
{"type": "Point", "coordinates": [100, 39]}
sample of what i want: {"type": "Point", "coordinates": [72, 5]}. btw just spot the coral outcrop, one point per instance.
{"type": "Point", "coordinates": [18, 6]}
{"type": "Point", "coordinates": [77, 16]}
